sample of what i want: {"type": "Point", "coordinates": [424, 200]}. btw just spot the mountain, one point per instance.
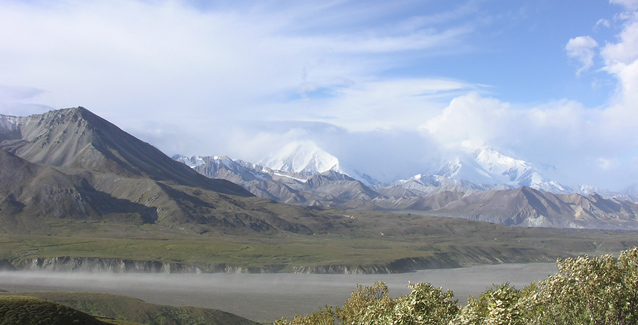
{"type": "Point", "coordinates": [327, 188]}
{"type": "Point", "coordinates": [36, 193]}
{"type": "Point", "coordinates": [303, 157]}
{"type": "Point", "coordinates": [484, 185]}
{"type": "Point", "coordinates": [479, 169]}
{"type": "Point", "coordinates": [486, 166]}
{"type": "Point", "coordinates": [420, 185]}
{"type": "Point", "coordinates": [70, 164]}
{"type": "Point", "coordinates": [528, 207]}
{"type": "Point", "coordinates": [78, 139]}
{"type": "Point", "coordinates": [74, 188]}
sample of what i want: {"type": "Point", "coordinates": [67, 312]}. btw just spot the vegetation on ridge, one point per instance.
{"type": "Point", "coordinates": [17, 310]}
{"type": "Point", "coordinates": [113, 309]}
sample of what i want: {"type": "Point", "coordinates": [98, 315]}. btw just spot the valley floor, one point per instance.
{"type": "Point", "coordinates": [267, 297]}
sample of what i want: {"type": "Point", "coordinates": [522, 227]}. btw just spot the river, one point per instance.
{"type": "Point", "coordinates": [267, 297]}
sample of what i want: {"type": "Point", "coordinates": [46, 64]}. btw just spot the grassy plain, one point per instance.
{"type": "Point", "coordinates": [376, 239]}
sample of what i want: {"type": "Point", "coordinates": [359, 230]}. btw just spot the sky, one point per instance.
{"type": "Point", "coordinates": [386, 86]}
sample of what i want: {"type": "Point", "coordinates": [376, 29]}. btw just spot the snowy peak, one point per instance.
{"type": "Point", "coordinates": [464, 168]}
{"type": "Point", "coordinates": [428, 184]}
{"type": "Point", "coordinates": [192, 161]}
{"type": "Point", "coordinates": [303, 157]}
{"type": "Point", "coordinates": [500, 165]}
{"type": "Point", "coordinates": [226, 168]}
{"type": "Point", "coordinates": [9, 127]}
{"type": "Point", "coordinates": [486, 166]}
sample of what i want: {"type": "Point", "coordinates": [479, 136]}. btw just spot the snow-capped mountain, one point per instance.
{"type": "Point", "coordinates": [428, 184]}
{"type": "Point", "coordinates": [303, 157]}
{"type": "Point", "coordinates": [329, 188]}
{"type": "Point", "coordinates": [191, 162]}
{"type": "Point", "coordinates": [479, 169]}
{"type": "Point", "coordinates": [486, 167]}
{"type": "Point", "coordinates": [9, 125]}
{"type": "Point", "coordinates": [481, 184]}
{"type": "Point", "coordinates": [225, 168]}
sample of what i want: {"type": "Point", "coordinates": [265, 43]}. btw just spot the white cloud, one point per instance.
{"type": "Point", "coordinates": [602, 22]}
{"type": "Point", "coordinates": [387, 104]}
{"type": "Point", "coordinates": [629, 4]}
{"type": "Point", "coordinates": [563, 133]}
{"type": "Point", "coordinates": [469, 118]}
{"type": "Point", "coordinates": [167, 61]}
{"type": "Point", "coordinates": [182, 77]}
{"type": "Point", "coordinates": [621, 61]}
{"type": "Point", "coordinates": [581, 49]}
{"type": "Point", "coordinates": [606, 163]}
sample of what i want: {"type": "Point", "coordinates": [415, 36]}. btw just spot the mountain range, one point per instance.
{"type": "Point", "coordinates": [71, 164]}
{"type": "Point", "coordinates": [481, 184]}
{"type": "Point", "coordinates": [77, 192]}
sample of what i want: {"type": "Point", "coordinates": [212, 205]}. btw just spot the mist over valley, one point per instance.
{"type": "Point", "coordinates": [268, 297]}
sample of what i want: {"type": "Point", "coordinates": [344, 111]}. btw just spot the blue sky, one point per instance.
{"type": "Point", "coordinates": [383, 85]}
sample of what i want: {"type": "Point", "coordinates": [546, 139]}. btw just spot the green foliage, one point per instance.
{"type": "Point", "coordinates": [370, 305]}
{"type": "Point", "coordinates": [373, 305]}
{"type": "Point", "coordinates": [498, 305]}
{"type": "Point", "coordinates": [325, 316]}
{"type": "Point", "coordinates": [425, 305]}
{"type": "Point", "coordinates": [598, 290]}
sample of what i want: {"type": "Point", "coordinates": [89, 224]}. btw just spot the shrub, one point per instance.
{"type": "Point", "coordinates": [498, 305]}
{"type": "Point", "coordinates": [598, 290]}
{"type": "Point", "coordinates": [424, 305]}
{"type": "Point", "coordinates": [367, 305]}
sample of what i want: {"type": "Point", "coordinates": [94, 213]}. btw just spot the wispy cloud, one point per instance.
{"type": "Point", "coordinates": [581, 49]}
{"type": "Point", "coordinates": [629, 4]}
{"type": "Point", "coordinates": [383, 85]}
{"type": "Point", "coordinates": [169, 54]}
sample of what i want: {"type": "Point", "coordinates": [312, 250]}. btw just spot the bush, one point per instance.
{"type": "Point", "coordinates": [498, 305]}
{"type": "Point", "coordinates": [598, 290]}
{"type": "Point", "coordinates": [425, 305]}
{"type": "Point", "coordinates": [368, 305]}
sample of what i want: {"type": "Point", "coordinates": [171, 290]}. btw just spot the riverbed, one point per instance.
{"type": "Point", "coordinates": [267, 297]}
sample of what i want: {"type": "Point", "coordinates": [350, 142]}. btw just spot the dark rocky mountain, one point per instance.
{"type": "Point", "coordinates": [77, 139]}
{"type": "Point", "coordinates": [32, 193]}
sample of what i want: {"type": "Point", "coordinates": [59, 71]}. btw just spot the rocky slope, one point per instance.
{"type": "Point", "coordinates": [527, 207]}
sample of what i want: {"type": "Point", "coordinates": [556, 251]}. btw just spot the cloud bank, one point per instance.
{"type": "Point", "coordinates": [385, 87]}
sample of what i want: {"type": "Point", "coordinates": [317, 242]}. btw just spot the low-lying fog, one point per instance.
{"type": "Point", "coordinates": [267, 297]}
